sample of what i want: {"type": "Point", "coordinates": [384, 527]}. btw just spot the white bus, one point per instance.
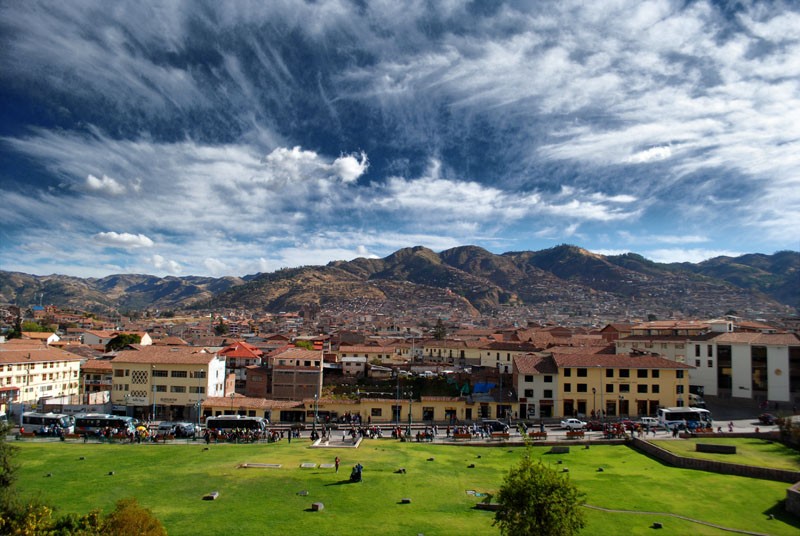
{"type": "Point", "coordinates": [92, 423]}
{"type": "Point", "coordinates": [33, 421]}
{"type": "Point", "coordinates": [234, 422]}
{"type": "Point", "coordinates": [690, 417]}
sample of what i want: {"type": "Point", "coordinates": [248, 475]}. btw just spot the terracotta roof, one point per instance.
{"type": "Point", "coordinates": [297, 353]}
{"type": "Point", "coordinates": [616, 361]}
{"type": "Point", "coordinates": [250, 402]}
{"type": "Point", "coordinates": [535, 364]}
{"type": "Point", "coordinates": [241, 349]}
{"type": "Point", "coordinates": [34, 355]}
{"type": "Point", "coordinates": [97, 364]}
{"type": "Point", "coordinates": [171, 341]}
{"type": "Point", "coordinates": [366, 349]}
{"type": "Point", "coordinates": [780, 339]}
{"type": "Point", "coordinates": [605, 349]}
{"type": "Point", "coordinates": [39, 335]}
{"type": "Point", "coordinates": [165, 355]}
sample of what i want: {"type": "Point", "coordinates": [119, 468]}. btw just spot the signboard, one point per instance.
{"type": "Point", "coordinates": [137, 401]}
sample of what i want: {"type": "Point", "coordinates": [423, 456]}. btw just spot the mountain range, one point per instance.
{"type": "Point", "coordinates": [470, 277]}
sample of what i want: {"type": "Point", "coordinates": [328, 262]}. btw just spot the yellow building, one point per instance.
{"type": "Point", "coordinates": [619, 385]}
{"type": "Point", "coordinates": [31, 372]}
{"type": "Point", "coordinates": [166, 382]}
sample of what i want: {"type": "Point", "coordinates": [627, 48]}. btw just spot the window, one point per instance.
{"type": "Point", "coordinates": [624, 373]}
{"type": "Point", "coordinates": [609, 388]}
{"type": "Point", "coordinates": [197, 390]}
{"type": "Point", "coordinates": [655, 388]}
{"type": "Point", "coordinates": [548, 393]}
{"type": "Point", "coordinates": [582, 373]}
{"type": "Point", "coordinates": [697, 350]}
{"type": "Point", "coordinates": [375, 412]}
{"type": "Point", "coordinates": [161, 388]}
{"type": "Point", "coordinates": [119, 373]}
{"type": "Point", "coordinates": [696, 362]}
{"type": "Point", "coordinates": [529, 378]}
{"type": "Point", "coordinates": [548, 379]}
{"type": "Point", "coordinates": [710, 351]}
{"type": "Point", "coordinates": [177, 389]}
{"type": "Point", "coordinates": [641, 388]}
{"type": "Point", "coordinates": [654, 373]}
{"type": "Point", "coordinates": [179, 374]}
{"type": "Point", "coordinates": [567, 372]}
{"type": "Point", "coordinates": [159, 373]}
{"type": "Point", "coordinates": [427, 413]}
{"type": "Point", "coordinates": [528, 393]}
{"type": "Point", "coordinates": [679, 389]}
{"type": "Point", "coordinates": [567, 387]}
{"type": "Point", "coordinates": [679, 374]}
{"type": "Point", "coordinates": [641, 373]}
{"type": "Point", "coordinates": [581, 387]}
{"type": "Point", "coordinates": [710, 363]}
{"type": "Point", "coordinates": [199, 374]}
{"type": "Point", "coordinates": [609, 373]}
{"type": "Point", "coordinates": [624, 388]}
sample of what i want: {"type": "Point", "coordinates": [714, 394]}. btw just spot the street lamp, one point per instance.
{"type": "Point", "coordinates": [314, 424]}
{"type": "Point", "coordinates": [232, 395]}
{"type": "Point", "coordinates": [153, 376]}
{"type": "Point", "coordinates": [594, 402]}
{"type": "Point", "coordinates": [409, 393]}
{"type": "Point", "coordinates": [201, 374]}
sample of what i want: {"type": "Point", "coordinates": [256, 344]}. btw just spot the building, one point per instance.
{"type": "Point", "coordinates": [166, 382]}
{"type": "Point", "coordinates": [239, 356]}
{"type": "Point", "coordinates": [752, 365]}
{"type": "Point", "coordinates": [599, 385]}
{"type": "Point", "coordinates": [296, 374]}
{"type": "Point", "coordinates": [31, 373]}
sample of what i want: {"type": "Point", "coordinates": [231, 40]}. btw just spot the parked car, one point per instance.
{"type": "Point", "coordinates": [495, 426]}
{"type": "Point", "coordinates": [573, 424]}
{"type": "Point", "coordinates": [595, 426]}
{"type": "Point", "coordinates": [628, 424]}
{"type": "Point", "coordinates": [767, 418]}
{"type": "Point", "coordinates": [652, 422]}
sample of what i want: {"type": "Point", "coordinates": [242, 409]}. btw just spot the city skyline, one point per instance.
{"type": "Point", "coordinates": [200, 139]}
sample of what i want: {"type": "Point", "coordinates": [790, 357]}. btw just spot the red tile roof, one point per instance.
{"type": "Point", "coordinates": [616, 361]}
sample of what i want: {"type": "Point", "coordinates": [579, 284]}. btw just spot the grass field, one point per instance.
{"type": "Point", "coordinates": [171, 479]}
{"type": "Point", "coordinates": [758, 452]}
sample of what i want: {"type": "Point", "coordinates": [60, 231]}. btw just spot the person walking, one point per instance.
{"type": "Point", "coordinates": [336, 463]}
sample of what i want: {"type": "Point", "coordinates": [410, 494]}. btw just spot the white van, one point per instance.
{"type": "Point", "coordinates": [696, 401]}
{"type": "Point", "coordinates": [652, 422]}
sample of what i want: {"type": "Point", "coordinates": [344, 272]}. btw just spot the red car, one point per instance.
{"type": "Point", "coordinates": [595, 426]}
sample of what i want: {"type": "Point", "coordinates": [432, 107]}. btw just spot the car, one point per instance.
{"type": "Point", "coordinates": [495, 426]}
{"type": "Point", "coordinates": [573, 424]}
{"type": "Point", "coordinates": [767, 418]}
{"type": "Point", "coordinates": [595, 426]}
{"type": "Point", "coordinates": [628, 424]}
{"type": "Point", "coordinates": [646, 422]}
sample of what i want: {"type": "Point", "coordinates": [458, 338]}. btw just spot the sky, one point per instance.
{"type": "Point", "coordinates": [230, 138]}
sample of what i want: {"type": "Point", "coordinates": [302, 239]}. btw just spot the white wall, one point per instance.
{"type": "Point", "coordinates": [778, 373]}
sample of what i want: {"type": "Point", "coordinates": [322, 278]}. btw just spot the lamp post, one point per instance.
{"type": "Point", "coordinates": [410, 394]}
{"type": "Point", "coordinates": [621, 400]}
{"type": "Point", "coordinates": [232, 395]}
{"type": "Point", "coordinates": [201, 374]}
{"type": "Point", "coordinates": [154, 392]}
{"type": "Point", "coordinates": [594, 401]}
{"type": "Point", "coordinates": [314, 424]}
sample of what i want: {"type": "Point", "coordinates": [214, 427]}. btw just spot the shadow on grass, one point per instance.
{"type": "Point", "coordinates": [340, 482]}
{"type": "Point", "coordinates": [778, 511]}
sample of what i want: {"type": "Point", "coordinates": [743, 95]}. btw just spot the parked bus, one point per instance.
{"type": "Point", "coordinates": [691, 417]}
{"type": "Point", "coordinates": [92, 423]}
{"type": "Point", "coordinates": [33, 421]}
{"type": "Point", "coordinates": [233, 422]}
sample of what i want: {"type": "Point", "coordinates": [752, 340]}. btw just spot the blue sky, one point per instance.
{"type": "Point", "coordinates": [228, 138]}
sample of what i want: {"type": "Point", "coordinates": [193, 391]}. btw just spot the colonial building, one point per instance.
{"type": "Point", "coordinates": [166, 383]}
{"type": "Point", "coordinates": [31, 373]}
{"type": "Point", "coordinates": [296, 374]}
{"type": "Point", "coordinates": [569, 384]}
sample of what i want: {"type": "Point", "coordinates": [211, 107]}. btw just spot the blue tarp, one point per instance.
{"type": "Point", "coordinates": [483, 387]}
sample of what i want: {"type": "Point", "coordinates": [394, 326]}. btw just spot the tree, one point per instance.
{"type": "Point", "coordinates": [221, 328]}
{"type": "Point", "coordinates": [304, 343]}
{"type": "Point", "coordinates": [31, 326]}
{"type": "Point", "coordinates": [131, 519]}
{"type": "Point", "coordinates": [122, 340]}
{"type": "Point", "coordinates": [536, 500]}
{"type": "Point", "coordinates": [439, 331]}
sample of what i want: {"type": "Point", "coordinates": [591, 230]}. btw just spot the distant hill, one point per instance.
{"type": "Point", "coordinates": [468, 278]}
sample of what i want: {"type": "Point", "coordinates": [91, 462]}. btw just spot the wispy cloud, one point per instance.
{"type": "Point", "coordinates": [123, 240]}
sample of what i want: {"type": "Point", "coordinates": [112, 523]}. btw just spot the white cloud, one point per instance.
{"type": "Point", "coordinates": [686, 255]}
{"type": "Point", "coordinates": [166, 265]}
{"type": "Point", "coordinates": [650, 155]}
{"type": "Point", "coordinates": [105, 185]}
{"type": "Point", "coordinates": [123, 240]}
{"type": "Point", "coordinates": [349, 168]}
{"type": "Point", "coordinates": [216, 266]}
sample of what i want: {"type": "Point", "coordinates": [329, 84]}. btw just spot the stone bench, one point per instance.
{"type": "Point", "coordinates": [715, 449]}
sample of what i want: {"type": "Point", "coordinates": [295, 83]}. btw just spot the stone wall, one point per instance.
{"type": "Point", "coordinates": [725, 468]}
{"type": "Point", "coordinates": [793, 500]}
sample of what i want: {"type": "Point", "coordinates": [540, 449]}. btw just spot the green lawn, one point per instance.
{"type": "Point", "coordinates": [758, 452]}
{"type": "Point", "coordinates": [170, 479]}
